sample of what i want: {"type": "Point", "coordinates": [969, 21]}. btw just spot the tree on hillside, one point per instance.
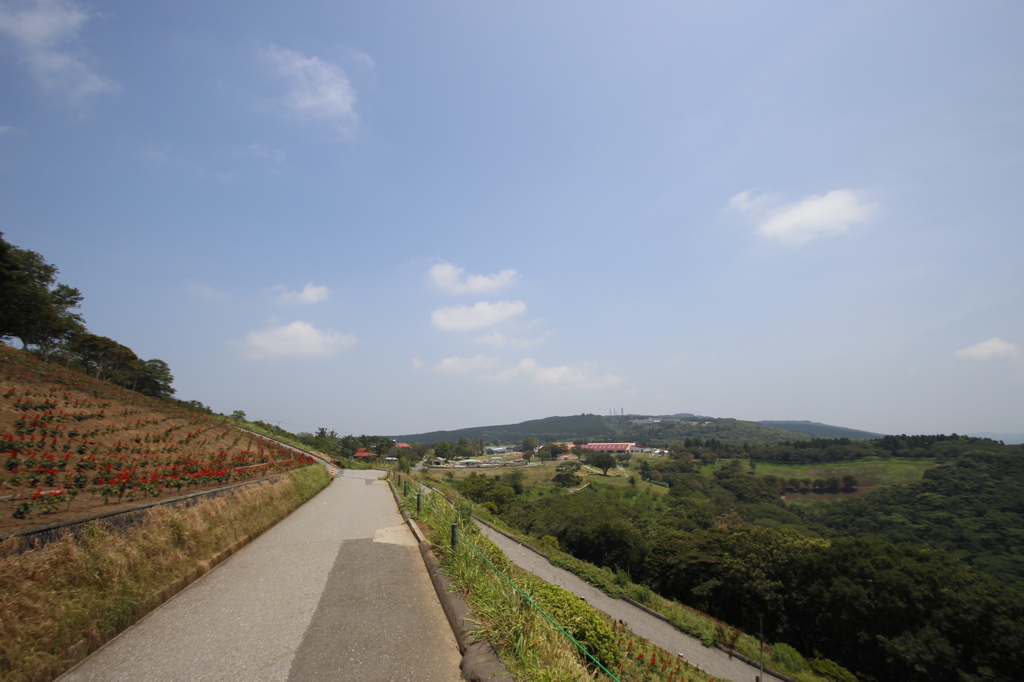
{"type": "Point", "coordinates": [530, 443]}
{"type": "Point", "coordinates": [34, 307]}
{"type": "Point", "coordinates": [566, 475]}
{"type": "Point", "coordinates": [154, 378]}
{"type": "Point", "coordinates": [238, 415]}
{"type": "Point", "coordinates": [602, 460]}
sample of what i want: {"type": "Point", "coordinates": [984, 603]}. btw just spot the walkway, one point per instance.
{"type": "Point", "coordinates": [642, 623]}
{"type": "Point", "coordinates": [337, 590]}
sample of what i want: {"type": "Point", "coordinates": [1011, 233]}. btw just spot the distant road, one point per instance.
{"type": "Point", "coordinates": [659, 632]}
{"type": "Point", "coordinates": [335, 591]}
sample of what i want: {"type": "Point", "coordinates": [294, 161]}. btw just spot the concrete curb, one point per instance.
{"type": "Point", "coordinates": [480, 662]}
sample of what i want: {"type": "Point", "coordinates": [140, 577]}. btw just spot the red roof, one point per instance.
{"type": "Point", "coordinates": [363, 452]}
{"type": "Point", "coordinates": [608, 446]}
{"type": "Point", "coordinates": [403, 445]}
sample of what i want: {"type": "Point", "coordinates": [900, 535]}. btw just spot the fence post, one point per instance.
{"type": "Point", "coordinates": [419, 502]}
{"type": "Point", "coordinates": [406, 488]}
{"type": "Point", "coordinates": [455, 537]}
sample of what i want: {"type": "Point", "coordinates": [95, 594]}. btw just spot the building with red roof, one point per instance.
{"type": "Point", "coordinates": [609, 447]}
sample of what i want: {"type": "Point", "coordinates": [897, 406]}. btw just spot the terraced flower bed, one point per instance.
{"type": "Point", "coordinates": [72, 446]}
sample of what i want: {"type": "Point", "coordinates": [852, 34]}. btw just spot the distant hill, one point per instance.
{"type": "Point", "coordinates": [585, 426]}
{"type": "Point", "coordinates": [593, 427]}
{"type": "Point", "coordinates": [1008, 438]}
{"type": "Point", "coordinates": [819, 430]}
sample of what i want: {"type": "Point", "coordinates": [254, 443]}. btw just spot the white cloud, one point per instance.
{"type": "Point", "coordinates": [992, 349]}
{"type": "Point", "coordinates": [309, 294]}
{"type": "Point", "coordinates": [317, 90]}
{"type": "Point", "coordinates": [452, 280]}
{"type": "Point", "coordinates": [812, 217]}
{"type": "Point", "coordinates": [257, 148]}
{"type": "Point", "coordinates": [206, 291]}
{"type": "Point", "coordinates": [481, 314]}
{"type": "Point", "coordinates": [46, 33]}
{"type": "Point", "coordinates": [457, 365]}
{"type": "Point", "coordinates": [577, 376]}
{"type": "Point", "coordinates": [297, 338]}
{"type": "Point", "coordinates": [6, 130]}
{"type": "Point", "coordinates": [498, 339]}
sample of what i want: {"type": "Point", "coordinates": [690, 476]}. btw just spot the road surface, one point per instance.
{"type": "Point", "coordinates": [335, 591]}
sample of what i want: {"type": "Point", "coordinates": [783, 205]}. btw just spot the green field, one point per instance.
{"type": "Point", "coordinates": [870, 473]}
{"type": "Point", "coordinates": [537, 479]}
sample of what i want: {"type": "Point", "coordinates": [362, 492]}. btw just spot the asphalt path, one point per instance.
{"type": "Point", "coordinates": [337, 590]}
{"type": "Point", "coordinates": [657, 631]}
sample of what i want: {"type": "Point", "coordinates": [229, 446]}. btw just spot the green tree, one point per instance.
{"type": "Point", "coordinates": [444, 450]}
{"type": "Point", "coordinates": [34, 307]}
{"type": "Point", "coordinates": [238, 415]}
{"type": "Point", "coordinates": [96, 352]}
{"type": "Point", "coordinates": [602, 460]}
{"type": "Point", "coordinates": [154, 378]}
{"type": "Point", "coordinates": [566, 474]}
{"type": "Point", "coordinates": [530, 443]}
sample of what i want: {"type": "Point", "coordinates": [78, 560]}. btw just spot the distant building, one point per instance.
{"type": "Point", "coordinates": [649, 420]}
{"type": "Point", "coordinates": [363, 452]}
{"type": "Point", "coordinates": [614, 448]}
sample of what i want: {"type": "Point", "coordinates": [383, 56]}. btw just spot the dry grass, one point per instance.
{"type": "Point", "coordinates": [63, 601]}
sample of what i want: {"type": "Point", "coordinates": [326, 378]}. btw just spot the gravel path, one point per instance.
{"type": "Point", "coordinates": [335, 591]}
{"type": "Point", "coordinates": [644, 624]}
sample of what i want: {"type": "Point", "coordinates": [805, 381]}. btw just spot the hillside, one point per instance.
{"type": "Point", "coordinates": [820, 430]}
{"type": "Point", "coordinates": [72, 445]}
{"type": "Point", "coordinates": [593, 427]}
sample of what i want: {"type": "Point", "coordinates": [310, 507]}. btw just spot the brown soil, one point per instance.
{"type": "Point", "coordinates": [57, 424]}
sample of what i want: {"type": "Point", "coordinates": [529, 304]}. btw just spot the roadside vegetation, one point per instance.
{"type": "Point", "coordinates": [530, 646]}
{"type": "Point", "coordinates": [919, 581]}
{"type": "Point", "coordinates": [63, 601]}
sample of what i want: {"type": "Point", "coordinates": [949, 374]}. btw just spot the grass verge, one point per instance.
{"type": "Point", "coordinates": [531, 647]}
{"type": "Point", "coordinates": [61, 602]}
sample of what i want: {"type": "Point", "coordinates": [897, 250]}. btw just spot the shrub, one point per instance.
{"type": "Point", "coordinates": [832, 670]}
{"type": "Point", "coordinates": [581, 622]}
{"type": "Point", "coordinates": [788, 657]}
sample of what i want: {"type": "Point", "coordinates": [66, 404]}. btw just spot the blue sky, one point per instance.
{"type": "Point", "coordinates": [396, 217]}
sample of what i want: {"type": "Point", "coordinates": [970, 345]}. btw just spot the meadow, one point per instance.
{"type": "Point", "coordinates": [871, 474]}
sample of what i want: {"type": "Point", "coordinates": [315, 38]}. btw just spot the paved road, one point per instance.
{"type": "Point", "coordinates": [335, 591]}
{"type": "Point", "coordinates": [642, 623]}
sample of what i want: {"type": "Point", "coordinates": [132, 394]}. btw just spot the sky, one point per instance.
{"type": "Point", "coordinates": [396, 217]}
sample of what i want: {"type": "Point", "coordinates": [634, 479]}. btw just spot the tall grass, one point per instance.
{"type": "Point", "coordinates": [63, 601]}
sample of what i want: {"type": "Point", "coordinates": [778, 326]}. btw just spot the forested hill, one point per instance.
{"type": "Point", "coordinates": [593, 427]}
{"type": "Point", "coordinates": [820, 430]}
